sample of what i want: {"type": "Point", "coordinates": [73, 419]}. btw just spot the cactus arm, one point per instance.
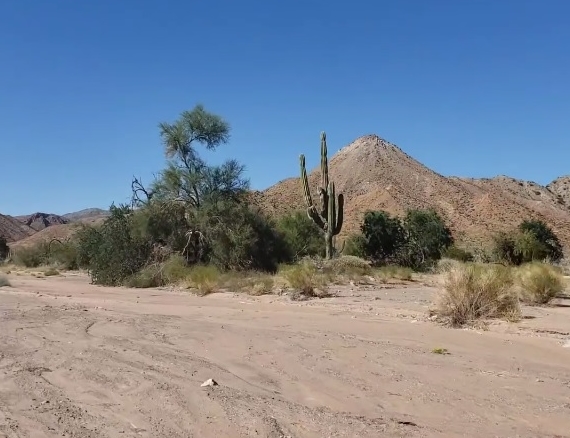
{"type": "Point", "coordinates": [331, 209]}
{"type": "Point", "coordinates": [311, 210]}
{"type": "Point", "coordinates": [305, 182]}
{"type": "Point", "coordinates": [340, 214]}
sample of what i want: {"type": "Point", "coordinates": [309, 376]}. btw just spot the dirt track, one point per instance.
{"type": "Point", "coordinates": [83, 361]}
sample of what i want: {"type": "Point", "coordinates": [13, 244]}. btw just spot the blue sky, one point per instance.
{"type": "Point", "coordinates": [470, 88]}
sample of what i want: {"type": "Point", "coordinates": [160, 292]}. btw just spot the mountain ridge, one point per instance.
{"type": "Point", "coordinates": [375, 174]}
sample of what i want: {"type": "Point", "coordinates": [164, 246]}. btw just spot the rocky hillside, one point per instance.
{"type": "Point", "coordinates": [561, 188]}
{"type": "Point", "coordinates": [87, 214]}
{"type": "Point", "coordinates": [375, 174]}
{"type": "Point", "coordinates": [39, 221]}
{"type": "Point", "coordinates": [12, 229]}
{"type": "Point", "coordinates": [40, 226]}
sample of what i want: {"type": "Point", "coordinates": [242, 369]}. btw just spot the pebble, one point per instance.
{"type": "Point", "coordinates": [209, 382]}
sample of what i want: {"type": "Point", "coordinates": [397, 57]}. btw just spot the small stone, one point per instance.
{"type": "Point", "coordinates": [209, 382]}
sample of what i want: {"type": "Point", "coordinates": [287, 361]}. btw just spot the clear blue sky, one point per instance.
{"type": "Point", "coordinates": [472, 87]}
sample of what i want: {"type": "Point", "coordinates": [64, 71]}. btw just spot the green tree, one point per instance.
{"type": "Point", "coordinates": [545, 237]}
{"type": "Point", "coordinates": [238, 236]}
{"type": "Point", "coordinates": [301, 235]}
{"type": "Point", "coordinates": [112, 252]}
{"type": "Point", "coordinates": [187, 177]}
{"type": "Point", "coordinates": [427, 238]}
{"type": "Point", "coordinates": [4, 249]}
{"type": "Point", "coordinates": [384, 236]}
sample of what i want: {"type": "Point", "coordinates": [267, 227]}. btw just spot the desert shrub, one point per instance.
{"type": "Point", "coordinates": [533, 240]}
{"type": "Point", "coordinates": [51, 272]}
{"type": "Point", "coordinates": [301, 236]}
{"type": "Point", "coordinates": [4, 249]}
{"type": "Point", "coordinates": [240, 237]}
{"type": "Point", "coordinates": [347, 265]}
{"type": "Point", "coordinates": [175, 269]}
{"type": "Point", "coordinates": [426, 239]}
{"type": "Point", "coordinates": [252, 283]}
{"type": "Point", "coordinates": [204, 278]}
{"type": "Point", "coordinates": [383, 236]}
{"type": "Point", "coordinates": [355, 245]}
{"type": "Point", "coordinates": [539, 283]}
{"type": "Point", "coordinates": [455, 253]}
{"type": "Point", "coordinates": [545, 237]}
{"type": "Point", "coordinates": [112, 252]}
{"type": "Point", "coordinates": [149, 276]}
{"type": "Point", "coordinates": [393, 272]}
{"type": "Point", "coordinates": [446, 264]}
{"type": "Point", "coordinates": [4, 281]}
{"type": "Point", "coordinates": [472, 292]}
{"type": "Point", "coordinates": [63, 254]}
{"type": "Point", "coordinates": [305, 280]}
{"type": "Point", "coordinates": [31, 256]}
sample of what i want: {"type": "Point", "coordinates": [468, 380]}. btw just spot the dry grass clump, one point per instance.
{"type": "Point", "coordinates": [392, 272]}
{"type": "Point", "coordinates": [4, 281]}
{"type": "Point", "coordinates": [539, 283]}
{"type": "Point", "coordinates": [473, 291]}
{"type": "Point", "coordinates": [305, 280]}
{"type": "Point", "coordinates": [348, 266]}
{"type": "Point", "coordinates": [252, 283]}
{"type": "Point", "coordinates": [205, 279]}
{"type": "Point", "coordinates": [446, 264]}
{"type": "Point", "coordinates": [50, 272]}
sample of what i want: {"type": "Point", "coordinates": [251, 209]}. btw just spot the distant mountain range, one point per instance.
{"type": "Point", "coordinates": [35, 225]}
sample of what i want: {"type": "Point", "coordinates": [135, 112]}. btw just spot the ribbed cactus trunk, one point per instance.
{"type": "Point", "coordinates": [330, 215]}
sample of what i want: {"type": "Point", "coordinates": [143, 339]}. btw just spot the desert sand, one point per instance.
{"type": "Point", "coordinates": [77, 360]}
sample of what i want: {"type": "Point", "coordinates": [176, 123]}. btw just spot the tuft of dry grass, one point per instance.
{"type": "Point", "coordinates": [539, 283]}
{"type": "Point", "coordinates": [50, 272]}
{"type": "Point", "coordinates": [305, 280]}
{"type": "Point", "coordinates": [391, 272]}
{"type": "Point", "coordinates": [4, 281]}
{"type": "Point", "coordinates": [204, 278]}
{"type": "Point", "coordinates": [252, 283]}
{"type": "Point", "coordinates": [473, 291]}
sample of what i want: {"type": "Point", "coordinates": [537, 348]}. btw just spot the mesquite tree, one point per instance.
{"type": "Point", "coordinates": [330, 215]}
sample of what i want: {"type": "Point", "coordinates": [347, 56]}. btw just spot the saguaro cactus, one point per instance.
{"type": "Point", "coordinates": [329, 217]}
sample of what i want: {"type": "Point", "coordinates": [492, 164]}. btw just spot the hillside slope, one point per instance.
{"type": "Point", "coordinates": [12, 229]}
{"type": "Point", "coordinates": [375, 174]}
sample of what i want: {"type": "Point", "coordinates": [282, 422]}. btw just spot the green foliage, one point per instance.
{"type": "Point", "coordinates": [187, 177]}
{"type": "Point", "coordinates": [113, 252]}
{"type": "Point", "coordinates": [384, 236]}
{"type": "Point", "coordinates": [4, 249]}
{"type": "Point", "coordinates": [355, 245]}
{"type": "Point", "coordinates": [551, 246]}
{"type": "Point", "coordinates": [427, 237]}
{"type": "Point", "coordinates": [240, 237]}
{"type": "Point", "coordinates": [329, 217]}
{"type": "Point", "coordinates": [532, 241]}
{"type": "Point", "coordinates": [301, 236]}
{"type": "Point", "coordinates": [32, 256]}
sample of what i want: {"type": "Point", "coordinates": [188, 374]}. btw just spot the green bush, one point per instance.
{"type": "Point", "coordinates": [112, 252]}
{"type": "Point", "coordinates": [301, 236]}
{"type": "Point", "coordinates": [4, 249]}
{"type": "Point", "coordinates": [355, 245]}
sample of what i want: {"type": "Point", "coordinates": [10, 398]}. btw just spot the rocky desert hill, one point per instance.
{"type": "Point", "coordinates": [375, 174]}
{"type": "Point", "coordinates": [36, 227]}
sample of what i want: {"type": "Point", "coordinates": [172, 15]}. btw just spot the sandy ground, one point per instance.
{"type": "Point", "coordinates": [78, 360]}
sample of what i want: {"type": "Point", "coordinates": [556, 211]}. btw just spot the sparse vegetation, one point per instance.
{"type": "Point", "coordinates": [51, 272]}
{"type": "Point", "coordinates": [4, 249]}
{"type": "Point", "coordinates": [472, 292]}
{"type": "Point", "coordinates": [442, 351]}
{"type": "Point", "coordinates": [539, 283]}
